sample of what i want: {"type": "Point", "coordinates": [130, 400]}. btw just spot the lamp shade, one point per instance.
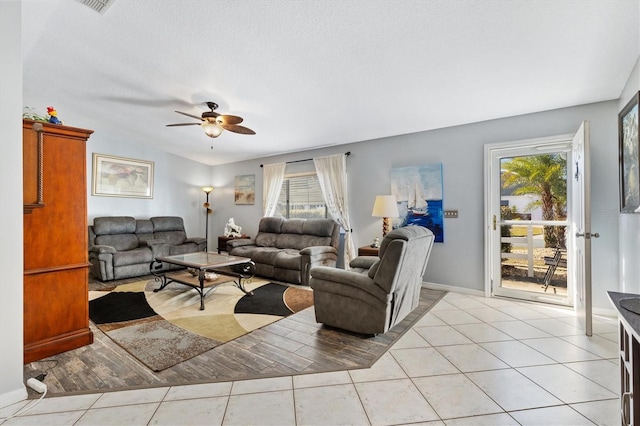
{"type": "Point", "coordinates": [212, 130]}
{"type": "Point", "coordinates": [385, 206]}
{"type": "Point", "coordinates": [207, 189]}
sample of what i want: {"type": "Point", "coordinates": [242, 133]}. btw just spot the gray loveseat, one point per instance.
{"type": "Point", "coordinates": [286, 249]}
{"type": "Point", "coordinates": [123, 247]}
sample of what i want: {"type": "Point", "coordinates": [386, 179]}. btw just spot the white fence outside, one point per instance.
{"type": "Point", "coordinates": [529, 241]}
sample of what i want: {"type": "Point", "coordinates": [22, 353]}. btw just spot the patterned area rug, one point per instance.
{"type": "Point", "coordinates": [166, 328]}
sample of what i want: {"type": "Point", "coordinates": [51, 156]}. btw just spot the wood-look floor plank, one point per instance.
{"type": "Point", "coordinates": [293, 345]}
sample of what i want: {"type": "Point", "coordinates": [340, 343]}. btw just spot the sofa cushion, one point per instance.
{"type": "Point", "coordinates": [183, 249]}
{"type": "Point", "coordinates": [266, 239]}
{"type": "Point", "coordinates": [132, 257]}
{"type": "Point", "coordinates": [167, 223]}
{"type": "Point", "coordinates": [121, 242]}
{"type": "Point", "coordinates": [288, 259]}
{"type": "Point", "coordinates": [266, 255]}
{"type": "Point", "coordinates": [319, 227]}
{"type": "Point", "coordinates": [302, 233]}
{"type": "Point", "coordinates": [299, 242]}
{"type": "Point", "coordinates": [170, 229]}
{"type": "Point", "coordinates": [173, 238]}
{"type": "Point", "coordinates": [293, 226]}
{"type": "Point", "coordinates": [244, 251]}
{"type": "Point", "coordinates": [271, 225]}
{"type": "Point", "coordinates": [144, 230]}
{"type": "Point", "coordinates": [109, 225]}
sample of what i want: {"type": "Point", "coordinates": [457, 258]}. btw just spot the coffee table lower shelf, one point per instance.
{"type": "Point", "coordinates": [240, 268]}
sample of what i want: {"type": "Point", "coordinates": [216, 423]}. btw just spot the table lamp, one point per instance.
{"type": "Point", "coordinates": [385, 207]}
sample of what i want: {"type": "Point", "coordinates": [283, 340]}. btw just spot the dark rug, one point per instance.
{"type": "Point", "coordinates": [166, 328]}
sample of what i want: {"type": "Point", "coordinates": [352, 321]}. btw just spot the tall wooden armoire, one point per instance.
{"type": "Point", "coordinates": [56, 266]}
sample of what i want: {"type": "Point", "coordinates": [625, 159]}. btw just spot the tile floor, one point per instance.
{"type": "Point", "coordinates": [469, 361]}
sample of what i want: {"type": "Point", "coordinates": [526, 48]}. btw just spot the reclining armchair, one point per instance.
{"type": "Point", "coordinates": [377, 293]}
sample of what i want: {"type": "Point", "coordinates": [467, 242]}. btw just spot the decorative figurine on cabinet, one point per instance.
{"type": "Point", "coordinates": [53, 116]}
{"type": "Point", "coordinates": [232, 230]}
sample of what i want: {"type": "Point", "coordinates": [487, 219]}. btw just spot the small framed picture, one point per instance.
{"type": "Point", "coordinates": [245, 189]}
{"type": "Point", "coordinates": [628, 156]}
{"type": "Point", "coordinates": [121, 177]}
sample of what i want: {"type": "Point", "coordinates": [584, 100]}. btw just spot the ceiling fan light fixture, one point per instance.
{"type": "Point", "coordinates": [212, 129]}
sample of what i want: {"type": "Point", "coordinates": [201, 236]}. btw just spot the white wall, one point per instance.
{"type": "Point", "coordinates": [177, 185]}
{"type": "Point", "coordinates": [11, 259]}
{"type": "Point", "coordinates": [630, 223]}
{"type": "Point", "coordinates": [459, 260]}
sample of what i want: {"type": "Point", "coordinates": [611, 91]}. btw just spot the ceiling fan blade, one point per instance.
{"type": "Point", "coordinates": [184, 124]}
{"type": "Point", "coordinates": [229, 119]}
{"type": "Point", "coordinates": [189, 115]}
{"type": "Point", "coordinates": [238, 129]}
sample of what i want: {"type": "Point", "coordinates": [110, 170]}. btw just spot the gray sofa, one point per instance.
{"type": "Point", "coordinates": [286, 249]}
{"type": "Point", "coordinates": [377, 293]}
{"type": "Point", "coordinates": [123, 247]}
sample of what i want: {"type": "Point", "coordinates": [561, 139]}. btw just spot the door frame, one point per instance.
{"type": "Point", "coordinates": [491, 179]}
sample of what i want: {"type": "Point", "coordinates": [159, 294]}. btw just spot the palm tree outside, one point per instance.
{"type": "Point", "coordinates": [543, 175]}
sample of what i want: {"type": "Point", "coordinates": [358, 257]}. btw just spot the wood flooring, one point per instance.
{"type": "Point", "coordinates": [291, 346]}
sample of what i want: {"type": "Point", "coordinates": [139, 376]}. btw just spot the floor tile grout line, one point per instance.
{"type": "Point", "coordinates": [590, 379]}
{"type": "Point", "coordinates": [552, 406]}
{"type": "Point", "coordinates": [411, 378]}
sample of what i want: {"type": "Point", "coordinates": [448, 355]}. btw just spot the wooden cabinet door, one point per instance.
{"type": "Point", "coordinates": [56, 316]}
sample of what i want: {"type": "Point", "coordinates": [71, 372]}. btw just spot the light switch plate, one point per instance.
{"type": "Point", "coordinates": [451, 214]}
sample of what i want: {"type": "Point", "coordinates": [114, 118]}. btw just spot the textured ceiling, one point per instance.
{"type": "Point", "coordinates": [307, 74]}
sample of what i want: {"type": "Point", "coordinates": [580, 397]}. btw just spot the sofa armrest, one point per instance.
{"type": "Point", "coordinates": [239, 242]}
{"type": "Point", "coordinates": [102, 249]}
{"type": "Point", "coordinates": [317, 250]}
{"type": "Point", "coordinates": [340, 281]}
{"type": "Point", "coordinates": [158, 247]}
{"type": "Point", "coordinates": [363, 262]}
{"type": "Point", "coordinates": [316, 256]}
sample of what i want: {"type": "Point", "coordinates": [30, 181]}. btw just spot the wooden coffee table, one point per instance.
{"type": "Point", "coordinates": [238, 267]}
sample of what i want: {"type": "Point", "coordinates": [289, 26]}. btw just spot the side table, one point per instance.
{"type": "Point", "coordinates": [222, 242]}
{"type": "Point", "coordinates": [368, 251]}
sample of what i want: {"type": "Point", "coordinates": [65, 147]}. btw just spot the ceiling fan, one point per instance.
{"type": "Point", "coordinates": [214, 123]}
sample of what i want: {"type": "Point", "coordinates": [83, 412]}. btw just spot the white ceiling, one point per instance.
{"type": "Point", "coordinates": [308, 74]}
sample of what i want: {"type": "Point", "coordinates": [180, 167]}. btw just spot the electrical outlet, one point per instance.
{"type": "Point", "coordinates": [451, 214]}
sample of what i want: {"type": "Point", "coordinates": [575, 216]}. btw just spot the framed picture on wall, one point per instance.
{"type": "Point", "coordinates": [629, 157]}
{"type": "Point", "coordinates": [121, 177]}
{"type": "Point", "coordinates": [245, 189]}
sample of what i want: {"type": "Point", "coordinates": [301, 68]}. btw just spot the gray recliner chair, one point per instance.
{"type": "Point", "coordinates": [377, 293]}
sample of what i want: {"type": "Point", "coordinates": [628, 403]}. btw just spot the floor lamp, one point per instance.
{"type": "Point", "coordinates": [385, 207]}
{"type": "Point", "coordinates": [207, 190]}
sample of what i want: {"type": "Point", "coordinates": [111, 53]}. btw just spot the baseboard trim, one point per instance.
{"type": "Point", "coordinates": [453, 289]}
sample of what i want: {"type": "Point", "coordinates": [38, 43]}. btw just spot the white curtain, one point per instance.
{"type": "Point", "coordinates": [272, 178]}
{"type": "Point", "coordinates": [332, 175]}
